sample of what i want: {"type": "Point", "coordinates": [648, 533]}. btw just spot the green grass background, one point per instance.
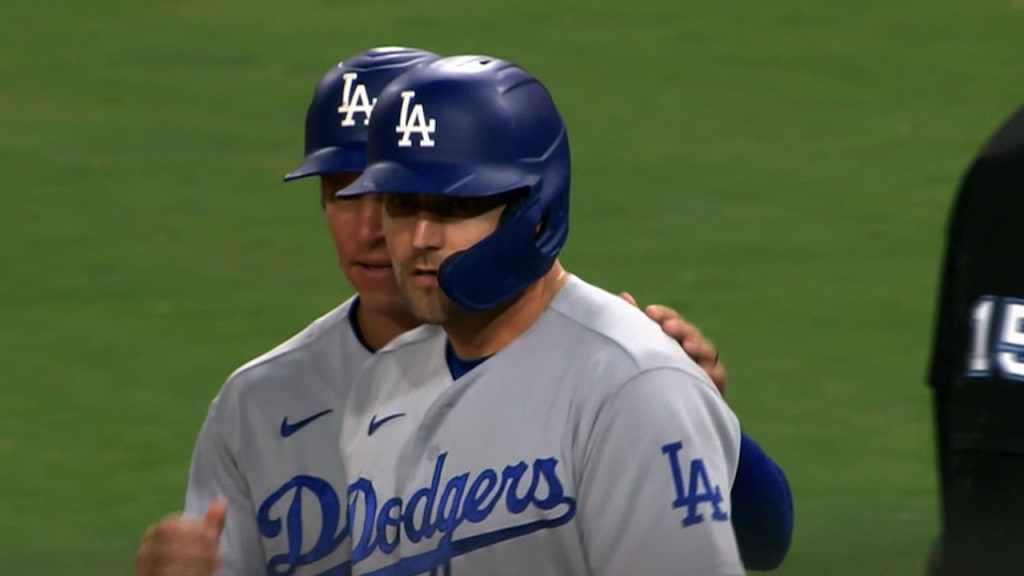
{"type": "Point", "coordinates": [779, 171]}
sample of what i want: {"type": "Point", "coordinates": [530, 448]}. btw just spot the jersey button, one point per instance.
{"type": "Point", "coordinates": [432, 452]}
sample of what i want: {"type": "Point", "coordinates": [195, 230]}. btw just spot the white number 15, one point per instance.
{"type": "Point", "coordinates": [1008, 350]}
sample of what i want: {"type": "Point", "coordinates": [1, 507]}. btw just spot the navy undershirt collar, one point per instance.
{"type": "Point", "coordinates": [457, 366]}
{"type": "Point", "coordinates": [354, 323]}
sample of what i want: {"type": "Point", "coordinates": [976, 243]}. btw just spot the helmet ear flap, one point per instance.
{"type": "Point", "coordinates": [542, 226]}
{"type": "Point", "coordinates": [516, 199]}
{"type": "Point", "coordinates": [516, 202]}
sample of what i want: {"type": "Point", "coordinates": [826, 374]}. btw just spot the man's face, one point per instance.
{"type": "Point", "coordinates": [421, 232]}
{"type": "Point", "coordinates": [355, 225]}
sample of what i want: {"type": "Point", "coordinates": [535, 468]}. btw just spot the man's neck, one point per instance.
{"type": "Point", "coordinates": [483, 334]}
{"type": "Point", "coordinates": [378, 328]}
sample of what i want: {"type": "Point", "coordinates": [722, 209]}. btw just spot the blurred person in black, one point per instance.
{"type": "Point", "coordinates": [977, 367]}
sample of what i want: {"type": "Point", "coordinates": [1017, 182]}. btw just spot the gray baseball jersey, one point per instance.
{"type": "Point", "coordinates": [589, 446]}
{"type": "Point", "coordinates": [269, 445]}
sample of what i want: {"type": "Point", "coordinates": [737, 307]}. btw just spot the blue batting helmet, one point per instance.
{"type": "Point", "coordinates": [477, 126]}
{"type": "Point", "coordinates": [339, 114]}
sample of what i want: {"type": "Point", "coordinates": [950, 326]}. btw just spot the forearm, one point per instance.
{"type": "Point", "coordinates": [762, 508]}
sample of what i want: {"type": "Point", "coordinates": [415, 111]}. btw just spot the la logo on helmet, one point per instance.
{"type": "Point", "coordinates": [414, 122]}
{"type": "Point", "coordinates": [353, 101]}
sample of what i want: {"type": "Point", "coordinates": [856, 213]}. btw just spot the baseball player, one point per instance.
{"type": "Point", "coordinates": [260, 452]}
{"type": "Point", "coordinates": [977, 366]}
{"type": "Point", "coordinates": [537, 424]}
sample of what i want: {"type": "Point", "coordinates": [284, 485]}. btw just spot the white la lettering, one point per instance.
{"type": "Point", "coordinates": [354, 101]}
{"type": "Point", "coordinates": [415, 122]}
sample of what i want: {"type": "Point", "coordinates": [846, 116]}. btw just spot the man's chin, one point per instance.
{"type": "Point", "coordinates": [427, 313]}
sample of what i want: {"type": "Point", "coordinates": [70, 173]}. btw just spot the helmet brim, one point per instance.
{"type": "Point", "coordinates": [439, 180]}
{"type": "Point", "coordinates": [330, 160]}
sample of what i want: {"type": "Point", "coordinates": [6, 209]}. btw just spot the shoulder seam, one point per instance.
{"type": "Point", "coordinates": [279, 351]}
{"type": "Point", "coordinates": [618, 345]}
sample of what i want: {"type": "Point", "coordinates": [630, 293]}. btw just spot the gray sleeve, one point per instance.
{"type": "Point", "coordinates": [656, 474]}
{"type": "Point", "coordinates": [214, 473]}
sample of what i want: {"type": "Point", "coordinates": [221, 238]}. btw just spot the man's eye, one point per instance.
{"type": "Point", "coordinates": [401, 203]}
{"type": "Point", "coordinates": [326, 197]}
{"type": "Point", "coordinates": [464, 205]}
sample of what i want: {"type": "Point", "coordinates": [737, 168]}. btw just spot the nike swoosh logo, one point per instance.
{"type": "Point", "coordinates": [374, 423]}
{"type": "Point", "coordinates": [287, 429]}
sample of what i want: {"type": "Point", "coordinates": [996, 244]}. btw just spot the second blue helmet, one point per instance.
{"type": "Point", "coordinates": [338, 116]}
